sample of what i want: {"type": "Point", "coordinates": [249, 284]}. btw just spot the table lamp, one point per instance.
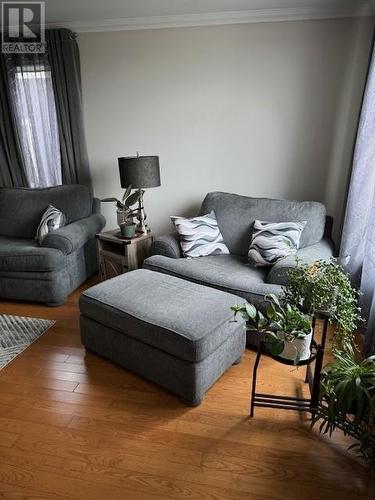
{"type": "Point", "coordinates": [140, 172]}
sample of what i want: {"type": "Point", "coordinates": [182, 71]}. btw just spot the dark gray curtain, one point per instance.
{"type": "Point", "coordinates": [64, 61]}
{"type": "Point", "coordinates": [11, 169]}
{"type": "Point", "coordinates": [63, 56]}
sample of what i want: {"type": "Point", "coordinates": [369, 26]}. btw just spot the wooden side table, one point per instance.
{"type": "Point", "coordinates": [117, 255]}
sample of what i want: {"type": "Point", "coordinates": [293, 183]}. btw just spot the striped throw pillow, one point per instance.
{"type": "Point", "coordinates": [52, 219]}
{"type": "Point", "coordinates": [200, 236]}
{"type": "Point", "coordinates": [272, 241]}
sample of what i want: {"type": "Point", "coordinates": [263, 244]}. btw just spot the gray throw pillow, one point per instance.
{"type": "Point", "coordinates": [200, 236]}
{"type": "Point", "coordinates": [52, 219]}
{"type": "Point", "coordinates": [272, 241]}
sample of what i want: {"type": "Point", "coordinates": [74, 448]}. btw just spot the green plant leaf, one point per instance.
{"type": "Point", "coordinates": [272, 336]}
{"type": "Point", "coordinates": [276, 326]}
{"type": "Point", "coordinates": [113, 200]}
{"type": "Point", "coordinates": [126, 194]}
{"type": "Point", "coordinates": [236, 308]}
{"type": "Point", "coordinates": [245, 316]}
{"type": "Point", "coordinates": [251, 311]}
{"type": "Point", "coordinates": [262, 321]}
{"type": "Point", "coordinates": [133, 198]}
{"type": "Point", "coordinates": [273, 298]}
{"type": "Point", "coordinates": [270, 311]}
{"type": "Point", "coordinates": [276, 347]}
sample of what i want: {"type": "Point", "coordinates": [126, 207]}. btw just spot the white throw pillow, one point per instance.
{"type": "Point", "coordinates": [52, 219]}
{"type": "Point", "coordinates": [200, 236]}
{"type": "Point", "coordinates": [272, 241]}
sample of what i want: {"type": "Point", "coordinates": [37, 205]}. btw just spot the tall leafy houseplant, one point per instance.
{"type": "Point", "coordinates": [324, 286]}
{"type": "Point", "coordinates": [124, 211]}
{"type": "Point", "coordinates": [347, 401]}
{"type": "Point", "coordinates": [283, 326]}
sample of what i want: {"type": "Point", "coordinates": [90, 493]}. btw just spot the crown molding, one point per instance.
{"type": "Point", "coordinates": [218, 18]}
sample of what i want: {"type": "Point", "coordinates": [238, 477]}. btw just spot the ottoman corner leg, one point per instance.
{"type": "Point", "coordinates": [237, 361]}
{"type": "Point", "coordinates": [196, 401]}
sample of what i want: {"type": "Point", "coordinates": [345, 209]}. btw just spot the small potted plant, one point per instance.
{"type": "Point", "coordinates": [325, 286]}
{"type": "Point", "coordinates": [125, 215]}
{"type": "Point", "coordinates": [347, 400]}
{"type": "Point", "coordinates": [287, 330]}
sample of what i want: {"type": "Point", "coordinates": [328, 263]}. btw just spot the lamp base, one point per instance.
{"type": "Point", "coordinates": [142, 229]}
{"type": "Point", "coordinates": [141, 226]}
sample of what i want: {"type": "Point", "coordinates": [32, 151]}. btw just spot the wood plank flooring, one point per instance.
{"type": "Point", "coordinates": [75, 426]}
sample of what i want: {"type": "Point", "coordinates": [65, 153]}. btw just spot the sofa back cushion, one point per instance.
{"type": "Point", "coordinates": [236, 215]}
{"type": "Point", "coordinates": [21, 209]}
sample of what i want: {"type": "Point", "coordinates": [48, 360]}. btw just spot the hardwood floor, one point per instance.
{"type": "Point", "coordinates": [75, 426]}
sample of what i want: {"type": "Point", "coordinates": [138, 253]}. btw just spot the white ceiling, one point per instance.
{"type": "Point", "coordinates": [94, 15]}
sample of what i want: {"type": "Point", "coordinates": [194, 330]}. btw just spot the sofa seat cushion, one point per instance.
{"type": "Point", "coordinates": [184, 319]}
{"type": "Point", "coordinates": [25, 255]}
{"type": "Point", "coordinates": [229, 273]}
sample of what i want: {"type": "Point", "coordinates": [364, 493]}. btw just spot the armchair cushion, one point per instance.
{"type": "Point", "coordinates": [69, 238]}
{"type": "Point", "coordinates": [167, 245]}
{"type": "Point", "coordinates": [308, 255]}
{"type": "Point", "coordinates": [25, 255]}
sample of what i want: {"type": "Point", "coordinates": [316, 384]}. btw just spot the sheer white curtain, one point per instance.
{"type": "Point", "coordinates": [358, 239]}
{"type": "Point", "coordinates": [34, 113]}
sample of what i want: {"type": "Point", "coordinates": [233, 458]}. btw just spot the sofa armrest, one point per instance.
{"type": "Point", "coordinates": [308, 255]}
{"type": "Point", "coordinates": [167, 245]}
{"type": "Point", "coordinates": [69, 238]}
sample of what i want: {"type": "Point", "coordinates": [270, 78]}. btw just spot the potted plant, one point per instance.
{"type": "Point", "coordinates": [125, 215]}
{"type": "Point", "coordinates": [287, 330]}
{"type": "Point", "coordinates": [324, 286]}
{"type": "Point", "coordinates": [347, 401]}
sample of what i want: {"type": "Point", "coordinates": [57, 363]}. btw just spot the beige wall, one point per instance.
{"type": "Point", "coordinates": [261, 109]}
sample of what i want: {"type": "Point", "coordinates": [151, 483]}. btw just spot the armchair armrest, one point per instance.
{"type": "Point", "coordinates": [69, 238]}
{"type": "Point", "coordinates": [167, 245]}
{"type": "Point", "coordinates": [308, 255]}
{"type": "Point", "coordinates": [96, 206]}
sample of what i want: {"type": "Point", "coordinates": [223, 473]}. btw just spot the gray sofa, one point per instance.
{"type": "Point", "coordinates": [67, 257]}
{"type": "Point", "coordinates": [231, 273]}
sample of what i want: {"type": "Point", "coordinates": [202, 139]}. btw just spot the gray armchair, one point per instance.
{"type": "Point", "coordinates": [231, 273]}
{"type": "Point", "coordinates": [67, 257]}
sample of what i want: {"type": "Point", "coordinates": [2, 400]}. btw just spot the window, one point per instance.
{"type": "Point", "coordinates": [36, 123]}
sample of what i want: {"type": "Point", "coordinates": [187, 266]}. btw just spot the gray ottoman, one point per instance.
{"type": "Point", "coordinates": [173, 332]}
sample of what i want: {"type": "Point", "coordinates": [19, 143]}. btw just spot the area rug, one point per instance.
{"type": "Point", "coordinates": [17, 333]}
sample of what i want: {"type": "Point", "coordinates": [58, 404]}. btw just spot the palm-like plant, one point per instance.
{"type": "Point", "coordinates": [347, 401]}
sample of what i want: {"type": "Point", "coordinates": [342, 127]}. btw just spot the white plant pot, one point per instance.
{"type": "Point", "coordinates": [297, 346]}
